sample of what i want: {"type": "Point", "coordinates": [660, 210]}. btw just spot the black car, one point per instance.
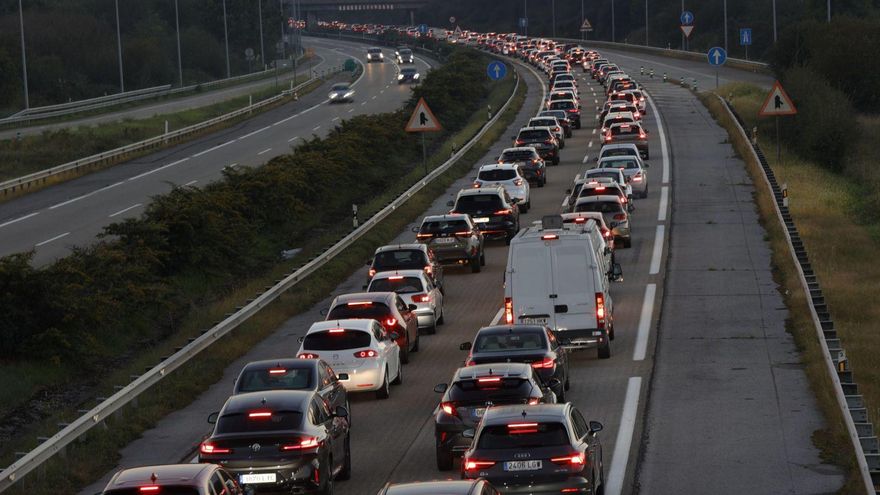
{"type": "Point", "coordinates": [408, 75]}
{"type": "Point", "coordinates": [570, 106]}
{"type": "Point", "coordinates": [388, 309]}
{"type": "Point", "coordinates": [174, 479]}
{"type": "Point", "coordinates": [293, 374]}
{"type": "Point", "coordinates": [532, 344]}
{"type": "Point", "coordinates": [531, 165]}
{"type": "Point", "coordinates": [473, 390]}
{"type": "Point", "coordinates": [548, 448]}
{"type": "Point", "coordinates": [540, 138]}
{"type": "Point", "coordinates": [449, 487]}
{"type": "Point", "coordinates": [492, 210]}
{"type": "Point", "coordinates": [280, 440]}
{"type": "Point", "coordinates": [413, 256]}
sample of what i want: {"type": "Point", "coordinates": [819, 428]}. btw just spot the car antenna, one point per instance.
{"type": "Point", "coordinates": [263, 401]}
{"type": "Point", "coordinates": [524, 414]}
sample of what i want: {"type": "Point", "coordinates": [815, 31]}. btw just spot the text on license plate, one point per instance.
{"type": "Point", "coordinates": [522, 465]}
{"type": "Point", "coordinates": [445, 240]}
{"type": "Point", "coordinates": [533, 321]}
{"type": "Point", "coordinates": [481, 219]}
{"type": "Point", "coordinates": [247, 479]}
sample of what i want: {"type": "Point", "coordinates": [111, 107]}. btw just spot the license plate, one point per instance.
{"type": "Point", "coordinates": [478, 412]}
{"type": "Point", "coordinates": [445, 240]}
{"type": "Point", "coordinates": [533, 321]}
{"type": "Point", "coordinates": [248, 479]}
{"type": "Point", "coordinates": [481, 219]}
{"type": "Point", "coordinates": [522, 465]}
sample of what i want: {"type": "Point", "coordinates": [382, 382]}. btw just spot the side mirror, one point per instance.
{"type": "Point", "coordinates": [568, 192]}
{"type": "Point", "coordinates": [413, 307]}
{"type": "Point", "coordinates": [301, 339]}
{"type": "Point", "coordinates": [212, 418]}
{"type": "Point", "coordinates": [340, 412]}
{"type": "Point", "coordinates": [342, 376]}
{"type": "Point", "coordinates": [595, 427]}
{"type": "Point", "coordinates": [450, 204]}
{"type": "Point", "coordinates": [324, 311]}
{"type": "Point", "coordinates": [616, 273]}
{"type": "Point", "coordinates": [465, 346]}
{"type": "Point", "coordinates": [416, 229]}
{"type": "Point", "coordinates": [469, 433]}
{"type": "Point", "coordinates": [393, 335]}
{"type": "Point", "coordinates": [441, 388]}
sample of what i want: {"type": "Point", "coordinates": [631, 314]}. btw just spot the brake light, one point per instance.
{"type": "Point", "coordinates": [519, 142]}
{"type": "Point", "coordinates": [533, 401]}
{"type": "Point", "coordinates": [637, 115]}
{"type": "Point", "coordinates": [369, 353]}
{"type": "Point", "coordinates": [418, 236]}
{"type": "Point", "coordinates": [470, 361]}
{"type": "Point", "coordinates": [389, 322]}
{"type": "Point", "coordinates": [429, 270]}
{"type": "Point", "coordinates": [606, 233]}
{"type": "Point", "coordinates": [502, 212]}
{"type": "Point", "coordinates": [522, 428]}
{"type": "Point", "coordinates": [336, 330]}
{"type": "Point", "coordinates": [149, 489]}
{"type": "Point", "coordinates": [464, 233]}
{"type": "Point", "coordinates": [372, 271]}
{"type": "Point", "coordinates": [306, 443]}
{"type": "Point", "coordinates": [572, 110]}
{"type": "Point", "coordinates": [620, 217]}
{"type": "Point", "coordinates": [517, 182]}
{"type": "Point", "coordinates": [508, 310]}
{"type": "Point", "coordinates": [473, 464]}
{"type": "Point", "coordinates": [546, 363]}
{"type": "Point", "coordinates": [360, 303]}
{"type": "Point", "coordinates": [492, 379]}
{"type": "Point", "coordinates": [307, 355]}
{"type": "Point", "coordinates": [600, 311]}
{"type": "Point", "coordinates": [260, 415]}
{"type": "Point", "coordinates": [277, 371]}
{"type": "Point", "coordinates": [396, 277]}
{"type": "Point", "coordinates": [210, 448]}
{"type": "Point", "coordinates": [642, 134]}
{"type": "Point", "coordinates": [600, 188]}
{"type": "Point", "coordinates": [449, 408]}
{"type": "Point", "coordinates": [637, 177]}
{"type": "Point", "coordinates": [549, 237]}
{"type": "Point", "coordinates": [421, 298]}
{"type": "Point", "coordinates": [578, 459]}
{"type": "Point", "coordinates": [477, 185]}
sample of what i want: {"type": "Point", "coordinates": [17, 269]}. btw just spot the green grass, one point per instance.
{"type": "Point", "coordinates": [842, 254]}
{"type": "Point", "coordinates": [88, 460]}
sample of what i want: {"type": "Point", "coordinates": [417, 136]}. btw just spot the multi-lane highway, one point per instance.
{"type": "Point", "coordinates": [73, 213]}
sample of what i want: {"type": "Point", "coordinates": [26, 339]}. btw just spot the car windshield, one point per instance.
{"type": "Point", "coordinates": [478, 202]}
{"type": "Point", "coordinates": [406, 51]}
{"type": "Point", "coordinates": [336, 340]}
{"type": "Point", "coordinates": [257, 380]}
{"type": "Point", "coordinates": [626, 163]}
{"type": "Point", "coordinates": [562, 105]}
{"type": "Point", "coordinates": [407, 70]}
{"type": "Point", "coordinates": [498, 392]}
{"type": "Point", "coordinates": [366, 309]}
{"type": "Point", "coordinates": [401, 285]}
{"type": "Point", "coordinates": [497, 174]}
{"type": "Point", "coordinates": [340, 87]}
{"type": "Point", "coordinates": [510, 341]}
{"type": "Point", "coordinates": [444, 227]}
{"type": "Point", "coordinates": [403, 259]}
{"type": "Point", "coordinates": [517, 156]}
{"type": "Point", "coordinates": [599, 206]}
{"type": "Point", "coordinates": [522, 434]}
{"type": "Point", "coordinates": [374, 50]}
{"type": "Point", "coordinates": [242, 422]}
{"type": "Point", "coordinates": [534, 134]}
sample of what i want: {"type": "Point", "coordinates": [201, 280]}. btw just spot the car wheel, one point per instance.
{"type": "Point", "coordinates": [399, 378]}
{"type": "Point", "coordinates": [604, 350]}
{"type": "Point", "coordinates": [483, 258]}
{"type": "Point", "coordinates": [385, 391]}
{"type": "Point", "coordinates": [541, 182]}
{"type": "Point", "coordinates": [560, 395]}
{"type": "Point", "coordinates": [327, 485]}
{"type": "Point", "coordinates": [444, 459]}
{"type": "Point", "coordinates": [475, 264]}
{"type": "Point", "coordinates": [561, 144]}
{"type": "Point", "coordinates": [345, 472]}
{"type": "Point", "coordinates": [567, 384]}
{"type": "Point", "coordinates": [348, 408]}
{"type": "Point", "coordinates": [404, 352]}
{"type": "Point", "coordinates": [507, 239]}
{"type": "Point", "coordinates": [431, 330]}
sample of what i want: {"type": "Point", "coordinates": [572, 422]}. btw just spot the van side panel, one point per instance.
{"type": "Point", "coordinates": [575, 289]}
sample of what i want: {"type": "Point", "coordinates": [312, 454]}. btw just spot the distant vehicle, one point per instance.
{"type": "Point", "coordinates": [176, 479]}
{"type": "Point", "coordinates": [405, 56]}
{"type": "Point", "coordinates": [341, 92]}
{"type": "Point", "coordinates": [542, 139]}
{"type": "Point", "coordinates": [408, 75]}
{"type": "Point", "coordinates": [449, 487]}
{"type": "Point", "coordinates": [385, 307]}
{"type": "Point", "coordinates": [414, 287]}
{"type": "Point", "coordinates": [570, 106]}
{"type": "Point", "coordinates": [492, 210]}
{"type": "Point", "coordinates": [629, 133]}
{"type": "Point", "coordinates": [622, 149]}
{"type": "Point", "coordinates": [553, 124]}
{"type": "Point", "coordinates": [508, 176]}
{"type": "Point", "coordinates": [633, 168]}
{"type": "Point", "coordinates": [613, 209]}
{"type": "Point", "coordinates": [375, 55]}
{"type": "Point", "coordinates": [453, 238]}
{"type": "Point", "coordinates": [411, 256]}
{"type": "Point", "coordinates": [616, 174]}
{"type": "Point", "coordinates": [531, 165]}
{"type": "Point", "coordinates": [561, 116]}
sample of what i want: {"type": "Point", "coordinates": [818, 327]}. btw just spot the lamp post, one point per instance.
{"type": "Point", "coordinates": [177, 27]}
{"type": "Point", "coordinates": [725, 26]}
{"type": "Point", "coordinates": [260, 18]}
{"type": "Point", "coordinates": [774, 22]}
{"type": "Point", "coordinates": [27, 103]}
{"type": "Point", "coordinates": [281, 7]}
{"type": "Point", "coordinates": [119, 49]}
{"type": "Point", "coordinates": [226, 38]}
{"type": "Point", "coordinates": [646, 22]}
{"type": "Point", "coordinates": [612, 21]}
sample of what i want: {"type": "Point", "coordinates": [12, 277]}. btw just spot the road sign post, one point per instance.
{"type": "Point", "coordinates": [716, 56]}
{"type": "Point", "coordinates": [687, 26]}
{"type": "Point", "coordinates": [423, 120]}
{"type": "Point", "coordinates": [777, 104]}
{"type": "Point", "coordinates": [745, 39]}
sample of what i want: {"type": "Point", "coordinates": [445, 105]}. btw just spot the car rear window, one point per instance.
{"type": "Point", "coordinates": [534, 134]}
{"type": "Point", "coordinates": [445, 227]}
{"type": "Point", "coordinates": [618, 152]}
{"type": "Point", "coordinates": [600, 207]}
{"type": "Point", "coordinates": [620, 163]}
{"type": "Point", "coordinates": [497, 174]}
{"type": "Point", "coordinates": [401, 285]}
{"type": "Point", "coordinates": [559, 114]}
{"type": "Point", "coordinates": [504, 390]}
{"type": "Point", "coordinates": [165, 490]}
{"type": "Point", "coordinates": [521, 340]}
{"type": "Point", "coordinates": [517, 156]}
{"type": "Point", "coordinates": [257, 380]}
{"type": "Point", "coordinates": [562, 105]}
{"type": "Point", "coordinates": [240, 422]}
{"type": "Point", "coordinates": [522, 434]}
{"type": "Point", "coordinates": [336, 341]}
{"type": "Point", "coordinates": [403, 259]}
{"type": "Point", "coordinates": [478, 202]}
{"type": "Point", "coordinates": [543, 122]}
{"type": "Point", "coordinates": [610, 175]}
{"type": "Point", "coordinates": [373, 310]}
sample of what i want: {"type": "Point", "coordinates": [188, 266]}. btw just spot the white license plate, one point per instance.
{"type": "Point", "coordinates": [481, 219]}
{"type": "Point", "coordinates": [522, 465]}
{"type": "Point", "coordinates": [478, 412]}
{"type": "Point", "coordinates": [248, 479]}
{"type": "Point", "coordinates": [533, 321]}
{"type": "Point", "coordinates": [445, 240]}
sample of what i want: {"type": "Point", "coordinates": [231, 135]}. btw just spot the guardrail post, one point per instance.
{"type": "Point", "coordinates": [664, 77]}
{"type": "Point", "coordinates": [166, 132]}
{"type": "Point", "coordinates": [642, 70]}
{"type": "Point", "coordinates": [250, 103]}
{"type": "Point", "coordinates": [694, 79]}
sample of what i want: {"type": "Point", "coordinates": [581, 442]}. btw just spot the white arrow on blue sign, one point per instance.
{"type": "Point", "coordinates": [745, 36]}
{"type": "Point", "coordinates": [717, 56]}
{"type": "Point", "coordinates": [687, 18]}
{"type": "Point", "coordinates": [496, 70]}
{"type": "Point", "coordinates": [423, 29]}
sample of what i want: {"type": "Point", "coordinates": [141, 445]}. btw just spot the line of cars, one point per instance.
{"type": "Point", "coordinates": [287, 424]}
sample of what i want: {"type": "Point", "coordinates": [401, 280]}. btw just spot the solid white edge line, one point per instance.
{"type": "Point", "coordinates": [664, 148]}
{"type": "Point", "coordinates": [657, 255]}
{"type": "Point", "coordinates": [623, 444]}
{"type": "Point", "coordinates": [641, 347]}
{"type": "Point", "coordinates": [47, 241]}
{"type": "Point", "coordinates": [664, 203]}
{"type": "Point", "coordinates": [497, 317]}
{"type": "Point", "coordinates": [120, 212]}
{"type": "Point", "coordinates": [29, 215]}
{"type": "Point", "coordinates": [157, 169]}
{"type": "Point", "coordinates": [200, 153]}
{"type": "Point", "coordinates": [316, 128]}
{"type": "Point", "coordinates": [191, 182]}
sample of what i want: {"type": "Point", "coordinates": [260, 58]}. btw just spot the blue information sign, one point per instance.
{"type": "Point", "coordinates": [423, 29]}
{"type": "Point", "coordinates": [687, 18]}
{"type": "Point", "coordinates": [496, 70]}
{"type": "Point", "coordinates": [523, 22]}
{"type": "Point", "coordinates": [717, 56]}
{"type": "Point", "coordinates": [745, 36]}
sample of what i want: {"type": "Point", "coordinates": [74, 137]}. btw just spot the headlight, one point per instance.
{"type": "Point", "coordinates": [381, 56]}
{"type": "Point", "coordinates": [416, 76]}
{"type": "Point", "coordinates": [349, 94]}
{"type": "Point", "coordinates": [400, 77]}
{"type": "Point", "coordinates": [332, 95]}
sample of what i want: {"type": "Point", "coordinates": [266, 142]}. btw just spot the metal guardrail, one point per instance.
{"type": "Point", "coordinates": [13, 186]}
{"type": "Point", "coordinates": [90, 101]}
{"type": "Point", "coordinates": [851, 404]}
{"type": "Point", "coordinates": [129, 393]}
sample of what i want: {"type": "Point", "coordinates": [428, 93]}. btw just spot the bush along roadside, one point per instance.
{"type": "Point", "coordinates": [131, 291]}
{"type": "Point", "coordinates": [90, 459]}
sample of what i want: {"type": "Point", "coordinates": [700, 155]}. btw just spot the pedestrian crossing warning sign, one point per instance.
{"type": "Point", "coordinates": [777, 103]}
{"type": "Point", "coordinates": [422, 119]}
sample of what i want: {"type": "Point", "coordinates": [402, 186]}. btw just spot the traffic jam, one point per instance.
{"type": "Point", "coordinates": [502, 422]}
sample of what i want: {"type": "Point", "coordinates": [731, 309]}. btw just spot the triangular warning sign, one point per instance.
{"type": "Point", "coordinates": [586, 26]}
{"type": "Point", "coordinates": [777, 103]}
{"type": "Point", "coordinates": [458, 30]}
{"type": "Point", "coordinates": [422, 119]}
{"type": "Point", "coordinates": [687, 29]}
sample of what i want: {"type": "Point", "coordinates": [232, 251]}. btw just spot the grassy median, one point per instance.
{"type": "Point", "coordinates": [841, 249]}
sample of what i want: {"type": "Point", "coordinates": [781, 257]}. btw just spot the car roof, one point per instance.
{"type": "Point", "coordinates": [448, 216]}
{"type": "Point", "coordinates": [165, 474]}
{"type": "Point", "coordinates": [286, 363]}
{"type": "Point", "coordinates": [499, 166]}
{"type": "Point", "coordinates": [603, 170]}
{"type": "Point", "coordinates": [509, 370]}
{"type": "Point", "coordinates": [400, 273]}
{"type": "Point", "coordinates": [538, 412]}
{"type": "Point", "coordinates": [604, 198]}
{"type": "Point", "coordinates": [615, 146]}
{"type": "Point", "coordinates": [607, 159]}
{"type": "Point", "coordinates": [519, 148]}
{"type": "Point", "coordinates": [532, 128]}
{"type": "Point", "coordinates": [621, 124]}
{"type": "Point", "coordinates": [400, 247]}
{"type": "Point", "coordinates": [481, 191]}
{"type": "Point", "coordinates": [446, 487]}
{"type": "Point", "coordinates": [495, 329]}
{"type": "Point", "coordinates": [292, 400]}
{"type": "Point", "coordinates": [364, 296]}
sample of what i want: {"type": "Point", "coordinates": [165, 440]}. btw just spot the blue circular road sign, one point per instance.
{"type": "Point", "coordinates": [687, 18]}
{"type": "Point", "coordinates": [423, 29]}
{"type": "Point", "coordinates": [717, 56]}
{"type": "Point", "coordinates": [496, 70]}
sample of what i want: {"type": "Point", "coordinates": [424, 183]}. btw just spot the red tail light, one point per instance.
{"type": "Point", "coordinates": [423, 236]}
{"type": "Point", "coordinates": [464, 233]}
{"type": "Point", "coordinates": [473, 464]}
{"type": "Point", "coordinates": [637, 178]}
{"type": "Point", "coordinates": [429, 270]}
{"type": "Point", "coordinates": [517, 182]}
{"type": "Point", "coordinates": [502, 212]}
{"type": "Point", "coordinates": [366, 354]}
{"type": "Point", "coordinates": [549, 237]}
{"type": "Point", "coordinates": [620, 217]}
{"type": "Point", "coordinates": [508, 310]}
{"type": "Point", "coordinates": [572, 110]}
{"type": "Point", "coordinates": [519, 142]}
{"type": "Point", "coordinates": [470, 361]}
{"type": "Point", "coordinates": [422, 298]}
{"type": "Point", "coordinates": [389, 323]}
{"type": "Point", "coordinates": [549, 141]}
{"type": "Point", "coordinates": [578, 459]}
{"type": "Point", "coordinates": [210, 448]}
{"type": "Point", "coordinates": [305, 443]}
{"type": "Point", "coordinates": [533, 401]}
{"type": "Point", "coordinates": [600, 311]}
{"type": "Point", "coordinates": [449, 408]}
{"type": "Point", "coordinates": [606, 233]}
{"type": "Point", "coordinates": [149, 489]}
{"type": "Point", "coordinates": [307, 355]}
{"type": "Point", "coordinates": [642, 135]}
{"type": "Point", "coordinates": [546, 363]}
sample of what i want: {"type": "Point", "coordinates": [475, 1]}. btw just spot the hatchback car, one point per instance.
{"type": "Point", "coordinates": [472, 391]}
{"type": "Point", "coordinates": [341, 93]}
{"type": "Point", "coordinates": [633, 168]}
{"type": "Point", "coordinates": [374, 54]}
{"type": "Point", "coordinates": [600, 186]}
{"type": "Point", "coordinates": [581, 218]}
{"type": "Point", "coordinates": [614, 211]}
{"type": "Point", "coordinates": [570, 106]}
{"type": "Point", "coordinates": [532, 344]}
{"type": "Point", "coordinates": [280, 440]}
{"type": "Point", "coordinates": [508, 176]}
{"type": "Point", "coordinates": [547, 448]}
{"type": "Point", "coordinates": [453, 238]}
{"type": "Point", "coordinates": [614, 174]}
{"type": "Point", "coordinates": [416, 288]}
{"type": "Point", "coordinates": [411, 256]}
{"type": "Point", "coordinates": [385, 307]}
{"type": "Point", "coordinates": [542, 139]}
{"type": "Point", "coordinates": [408, 75]}
{"type": "Point", "coordinates": [448, 487]}
{"type": "Point", "coordinates": [616, 118]}
{"type": "Point", "coordinates": [174, 479]}
{"type": "Point", "coordinates": [629, 133]}
{"type": "Point", "coordinates": [561, 117]}
{"type": "Point", "coordinates": [554, 125]}
{"type": "Point", "coordinates": [492, 210]}
{"type": "Point", "coordinates": [531, 165]}
{"type": "Point", "coordinates": [617, 107]}
{"type": "Point", "coordinates": [624, 149]}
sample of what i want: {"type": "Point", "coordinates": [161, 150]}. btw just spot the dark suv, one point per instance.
{"type": "Point", "coordinates": [280, 440]}
{"type": "Point", "coordinates": [570, 106]}
{"type": "Point", "coordinates": [491, 209]}
{"type": "Point", "coordinates": [473, 390]}
{"type": "Point", "coordinates": [385, 307]}
{"type": "Point", "coordinates": [406, 257]}
{"type": "Point", "coordinates": [530, 163]}
{"type": "Point", "coordinates": [542, 139]}
{"type": "Point", "coordinates": [175, 479]}
{"type": "Point", "coordinates": [453, 238]}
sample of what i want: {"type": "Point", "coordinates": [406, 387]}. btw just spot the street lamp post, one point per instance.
{"type": "Point", "coordinates": [119, 49]}
{"type": "Point", "coordinates": [260, 18]}
{"type": "Point", "coordinates": [526, 16]}
{"type": "Point", "coordinates": [27, 103]}
{"type": "Point", "coordinates": [646, 22]}
{"type": "Point", "coordinates": [281, 7]}
{"type": "Point", "coordinates": [553, 14]}
{"type": "Point", "coordinates": [612, 22]}
{"type": "Point", "coordinates": [774, 22]}
{"type": "Point", "coordinates": [725, 25]}
{"type": "Point", "coordinates": [226, 38]}
{"type": "Point", "coordinates": [177, 26]}
{"type": "Point", "coordinates": [828, 18]}
{"type": "Point", "coordinates": [583, 33]}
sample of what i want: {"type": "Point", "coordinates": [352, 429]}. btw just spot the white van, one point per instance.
{"type": "Point", "coordinates": [556, 277]}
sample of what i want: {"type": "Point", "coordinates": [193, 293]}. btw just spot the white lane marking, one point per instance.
{"type": "Point", "coordinates": [657, 255]}
{"type": "Point", "coordinates": [350, 110]}
{"type": "Point", "coordinates": [373, 97]}
{"type": "Point", "coordinates": [363, 103]}
{"type": "Point", "coordinates": [595, 100]}
{"type": "Point", "coordinates": [29, 215]}
{"type": "Point", "coordinates": [594, 131]}
{"type": "Point", "coordinates": [624, 437]}
{"type": "Point", "coordinates": [255, 132]}
{"type": "Point", "coordinates": [63, 203]}
{"type": "Point", "coordinates": [191, 182]}
{"type": "Point", "coordinates": [664, 203]}
{"type": "Point", "coordinates": [590, 144]}
{"type": "Point", "coordinates": [120, 212]}
{"type": "Point", "coordinates": [316, 128]}
{"type": "Point", "coordinates": [334, 119]}
{"type": "Point", "coordinates": [586, 157]}
{"type": "Point", "coordinates": [232, 165]}
{"type": "Point", "coordinates": [200, 153]}
{"type": "Point", "coordinates": [664, 149]}
{"type": "Point", "coordinates": [497, 317]}
{"type": "Point", "coordinates": [157, 169]}
{"type": "Point", "coordinates": [644, 332]}
{"type": "Point", "coordinates": [47, 241]}
{"type": "Point", "coordinates": [381, 91]}
{"type": "Point", "coordinates": [264, 151]}
{"type": "Point", "coordinates": [294, 138]}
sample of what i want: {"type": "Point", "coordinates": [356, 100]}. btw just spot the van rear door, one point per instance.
{"type": "Point", "coordinates": [574, 304]}
{"type": "Point", "coordinates": [530, 283]}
